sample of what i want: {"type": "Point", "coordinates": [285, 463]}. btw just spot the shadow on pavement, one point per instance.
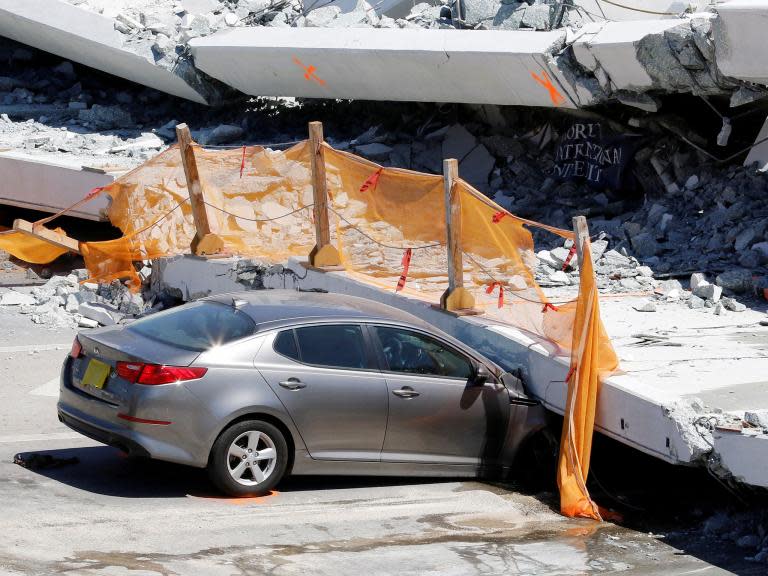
{"type": "Point", "coordinates": [107, 471]}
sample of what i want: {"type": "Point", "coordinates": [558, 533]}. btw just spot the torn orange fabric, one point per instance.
{"type": "Point", "coordinates": [30, 249]}
{"type": "Point", "coordinates": [592, 358]}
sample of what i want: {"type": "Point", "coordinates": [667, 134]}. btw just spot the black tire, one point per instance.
{"type": "Point", "coordinates": [221, 462]}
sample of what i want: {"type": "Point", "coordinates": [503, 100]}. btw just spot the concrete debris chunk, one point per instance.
{"type": "Point", "coordinates": [732, 305]}
{"type": "Point", "coordinates": [694, 302]}
{"type": "Point", "coordinates": [101, 313]}
{"type": "Point", "coordinates": [560, 255]}
{"type": "Point", "coordinates": [105, 117]}
{"type": "Point", "coordinates": [646, 307]}
{"type": "Point", "coordinates": [708, 291]}
{"type": "Point", "coordinates": [559, 277]}
{"type": "Point", "coordinates": [374, 151]}
{"type": "Point", "coordinates": [222, 134]}
{"type": "Point", "coordinates": [738, 281]}
{"type": "Point", "coordinates": [758, 418]}
{"type": "Point", "coordinates": [13, 298]}
{"type": "Point", "coordinates": [698, 278]}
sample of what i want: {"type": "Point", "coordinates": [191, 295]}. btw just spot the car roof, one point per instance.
{"type": "Point", "coordinates": [273, 308]}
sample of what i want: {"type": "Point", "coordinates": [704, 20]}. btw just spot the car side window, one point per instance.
{"type": "Point", "coordinates": [414, 353]}
{"type": "Point", "coordinates": [285, 344]}
{"type": "Point", "coordinates": [333, 346]}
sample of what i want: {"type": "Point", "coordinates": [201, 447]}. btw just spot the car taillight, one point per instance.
{"type": "Point", "coordinates": [153, 374]}
{"type": "Point", "coordinates": [129, 370]}
{"type": "Point", "coordinates": [77, 349]}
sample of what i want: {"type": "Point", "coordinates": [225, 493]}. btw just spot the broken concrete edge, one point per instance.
{"type": "Point", "coordinates": [91, 39]}
{"type": "Point", "coordinates": [674, 436]}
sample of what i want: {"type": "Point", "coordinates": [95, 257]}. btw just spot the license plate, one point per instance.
{"type": "Point", "coordinates": [96, 374]}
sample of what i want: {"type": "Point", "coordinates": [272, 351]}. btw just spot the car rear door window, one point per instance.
{"type": "Point", "coordinates": [414, 353]}
{"type": "Point", "coordinates": [334, 346]}
{"type": "Point", "coordinates": [285, 344]}
{"type": "Point", "coordinates": [198, 326]}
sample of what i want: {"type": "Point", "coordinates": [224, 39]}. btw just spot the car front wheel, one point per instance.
{"type": "Point", "coordinates": [248, 459]}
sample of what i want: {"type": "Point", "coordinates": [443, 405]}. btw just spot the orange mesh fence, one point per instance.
{"type": "Point", "coordinates": [389, 227]}
{"type": "Point", "coordinates": [266, 212]}
{"type": "Point", "coordinates": [29, 249]}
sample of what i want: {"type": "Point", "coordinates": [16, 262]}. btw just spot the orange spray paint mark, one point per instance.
{"type": "Point", "coordinates": [546, 81]}
{"type": "Point", "coordinates": [309, 72]}
{"type": "Point", "coordinates": [236, 500]}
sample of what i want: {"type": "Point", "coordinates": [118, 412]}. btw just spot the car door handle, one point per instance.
{"type": "Point", "coordinates": [292, 384]}
{"type": "Point", "coordinates": [405, 392]}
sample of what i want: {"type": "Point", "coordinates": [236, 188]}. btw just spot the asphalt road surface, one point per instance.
{"type": "Point", "coordinates": [107, 514]}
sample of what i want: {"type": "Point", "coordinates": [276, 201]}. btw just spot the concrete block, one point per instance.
{"type": "Point", "coordinates": [101, 313]}
{"type": "Point", "coordinates": [698, 278]}
{"type": "Point", "coordinates": [708, 291]}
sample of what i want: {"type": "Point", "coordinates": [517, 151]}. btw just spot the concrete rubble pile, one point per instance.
{"type": "Point", "coordinates": [69, 301]}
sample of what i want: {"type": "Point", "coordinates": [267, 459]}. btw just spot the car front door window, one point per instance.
{"type": "Point", "coordinates": [413, 353]}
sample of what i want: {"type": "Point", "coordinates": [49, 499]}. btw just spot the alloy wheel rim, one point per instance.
{"type": "Point", "coordinates": [251, 458]}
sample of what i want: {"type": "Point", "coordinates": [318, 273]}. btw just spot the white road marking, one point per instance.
{"type": "Point", "coordinates": [50, 388]}
{"type": "Point", "coordinates": [33, 347]}
{"type": "Point", "coordinates": [39, 437]}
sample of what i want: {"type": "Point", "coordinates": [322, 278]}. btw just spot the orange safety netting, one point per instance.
{"type": "Point", "coordinates": [389, 227]}
{"type": "Point", "coordinates": [28, 248]}
{"type": "Point", "coordinates": [265, 213]}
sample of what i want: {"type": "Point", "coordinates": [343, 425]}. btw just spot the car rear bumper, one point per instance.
{"type": "Point", "coordinates": [120, 441]}
{"type": "Point", "coordinates": [129, 425]}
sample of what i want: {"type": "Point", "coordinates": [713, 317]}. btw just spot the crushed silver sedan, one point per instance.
{"type": "Point", "coordinates": [256, 385]}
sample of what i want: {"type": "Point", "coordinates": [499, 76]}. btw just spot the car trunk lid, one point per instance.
{"type": "Point", "coordinates": [94, 371]}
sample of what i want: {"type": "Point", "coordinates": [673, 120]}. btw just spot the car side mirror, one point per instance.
{"type": "Point", "coordinates": [481, 376]}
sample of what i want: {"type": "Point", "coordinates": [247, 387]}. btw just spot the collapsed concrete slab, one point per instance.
{"type": "Point", "coordinates": [50, 183]}
{"type": "Point", "coordinates": [493, 67]}
{"type": "Point", "coordinates": [91, 39]}
{"type": "Point", "coordinates": [565, 68]}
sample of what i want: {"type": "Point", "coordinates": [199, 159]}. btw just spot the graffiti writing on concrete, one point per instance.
{"type": "Point", "coordinates": [309, 72]}
{"type": "Point", "coordinates": [588, 152]}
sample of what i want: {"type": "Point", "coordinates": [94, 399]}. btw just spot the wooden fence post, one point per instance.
{"type": "Point", "coordinates": [456, 298]}
{"type": "Point", "coordinates": [324, 254]}
{"type": "Point", "coordinates": [581, 233]}
{"type": "Point", "coordinates": [205, 241]}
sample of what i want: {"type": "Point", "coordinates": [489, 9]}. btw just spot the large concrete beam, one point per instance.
{"type": "Point", "coordinates": [88, 38]}
{"type": "Point", "coordinates": [489, 67]}
{"type": "Point", "coordinates": [49, 184]}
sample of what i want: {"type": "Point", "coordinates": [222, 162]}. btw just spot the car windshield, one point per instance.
{"type": "Point", "coordinates": [199, 326]}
